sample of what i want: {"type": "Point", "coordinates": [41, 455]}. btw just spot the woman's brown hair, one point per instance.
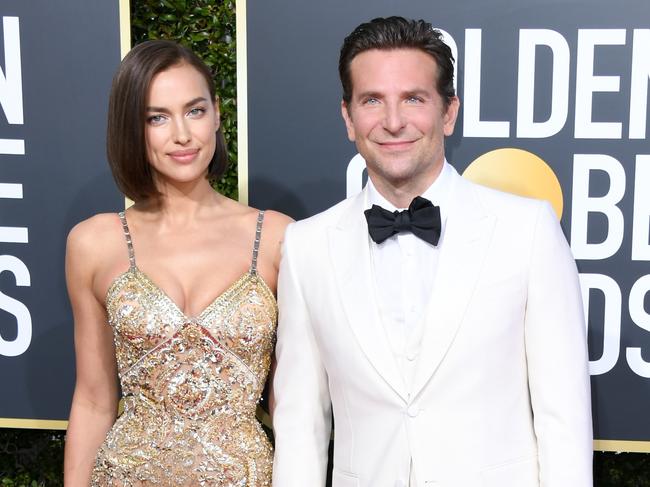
{"type": "Point", "coordinates": [126, 146]}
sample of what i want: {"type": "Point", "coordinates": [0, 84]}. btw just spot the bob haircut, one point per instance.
{"type": "Point", "coordinates": [126, 146]}
{"type": "Point", "coordinates": [398, 33]}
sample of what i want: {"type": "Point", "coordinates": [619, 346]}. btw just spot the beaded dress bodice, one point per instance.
{"type": "Point", "coordinates": [190, 385]}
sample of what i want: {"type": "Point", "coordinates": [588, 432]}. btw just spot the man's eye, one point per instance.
{"type": "Point", "coordinates": [371, 101]}
{"type": "Point", "coordinates": [414, 99]}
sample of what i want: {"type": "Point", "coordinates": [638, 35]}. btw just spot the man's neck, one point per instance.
{"type": "Point", "coordinates": [401, 193]}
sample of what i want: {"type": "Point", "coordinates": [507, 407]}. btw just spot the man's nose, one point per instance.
{"type": "Point", "coordinates": [394, 118]}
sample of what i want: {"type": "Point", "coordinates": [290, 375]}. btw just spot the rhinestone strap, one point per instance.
{"type": "Point", "coordinates": [129, 242]}
{"type": "Point", "coordinates": [256, 244]}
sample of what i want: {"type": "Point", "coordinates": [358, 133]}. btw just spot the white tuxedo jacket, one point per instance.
{"type": "Point", "coordinates": [501, 391]}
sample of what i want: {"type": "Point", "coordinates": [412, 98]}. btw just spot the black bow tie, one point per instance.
{"type": "Point", "coordinates": [422, 219]}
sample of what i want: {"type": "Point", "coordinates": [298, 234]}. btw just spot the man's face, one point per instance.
{"type": "Point", "coordinates": [397, 118]}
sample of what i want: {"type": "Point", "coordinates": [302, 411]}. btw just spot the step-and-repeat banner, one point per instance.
{"type": "Point", "coordinates": [57, 60]}
{"type": "Point", "coordinates": [554, 99]}
{"type": "Point", "coordinates": [554, 103]}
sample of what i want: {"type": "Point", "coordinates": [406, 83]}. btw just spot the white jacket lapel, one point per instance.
{"type": "Point", "coordinates": [350, 254]}
{"type": "Point", "coordinates": [466, 241]}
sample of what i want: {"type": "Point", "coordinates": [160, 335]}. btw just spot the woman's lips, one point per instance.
{"type": "Point", "coordinates": [184, 156]}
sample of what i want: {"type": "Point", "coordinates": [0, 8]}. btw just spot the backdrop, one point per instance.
{"type": "Point", "coordinates": [560, 85]}
{"type": "Point", "coordinates": [553, 104]}
{"type": "Point", "coordinates": [56, 63]}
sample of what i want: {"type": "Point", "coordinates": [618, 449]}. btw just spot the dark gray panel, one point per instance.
{"type": "Point", "coordinates": [69, 51]}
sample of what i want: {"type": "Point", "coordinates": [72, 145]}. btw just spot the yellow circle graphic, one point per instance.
{"type": "Point", "coordinates": [519, 172]}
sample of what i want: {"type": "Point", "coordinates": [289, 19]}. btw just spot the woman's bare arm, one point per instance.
{"type": "Point", "coordinates": [94, 404]}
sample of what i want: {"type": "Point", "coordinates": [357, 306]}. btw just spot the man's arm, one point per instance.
{"type": "Point", "coordinates": [301, 406]}
{"type": "Point", "coordinates": [557, 359]}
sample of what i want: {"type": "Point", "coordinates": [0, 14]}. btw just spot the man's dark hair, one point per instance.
{"type": "Point", "coordinates": [126, 146]}
{"type": "Point", "coordinates": [398, 33]}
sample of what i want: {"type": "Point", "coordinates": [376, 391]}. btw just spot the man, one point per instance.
{"type": "Point", "coordinates": [447, 340]}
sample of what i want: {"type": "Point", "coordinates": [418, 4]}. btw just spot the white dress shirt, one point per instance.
{"type": "Point", "coordinates": [404, 269]}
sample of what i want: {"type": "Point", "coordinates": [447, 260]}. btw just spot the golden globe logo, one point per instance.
{"type": "Point", "coordinates": [519, 172]}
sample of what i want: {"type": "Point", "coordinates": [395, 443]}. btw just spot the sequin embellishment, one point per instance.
{"type": "Point", "coordinates": [190, 386]}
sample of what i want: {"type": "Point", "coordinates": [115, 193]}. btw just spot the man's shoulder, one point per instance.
{"type": "Point", "coordinates": [320, 222]}
{"type": "Point", "coordinates": [501, 203]}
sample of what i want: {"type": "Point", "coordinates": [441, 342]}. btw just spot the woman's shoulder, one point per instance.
{"type": "Point", "coordinates": [98, 231]}
{"type": "Point", "coordinates": [95, 227]}
{"type": "Point", "coordinates": [275, 221]}
{"type": "Point", "coordinates": [273, 226]}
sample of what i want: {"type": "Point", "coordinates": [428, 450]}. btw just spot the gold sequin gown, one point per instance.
{"type": "Point", "coordinates": [190, 385]}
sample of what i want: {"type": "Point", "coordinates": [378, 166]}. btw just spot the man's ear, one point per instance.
{"type": "Point", "coordinates": [345, 113]}
{"type": "Point", "coordinates": [450, 116]}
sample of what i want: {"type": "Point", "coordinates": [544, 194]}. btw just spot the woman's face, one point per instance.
{"type": "Point", "coordinates": [181, 124]}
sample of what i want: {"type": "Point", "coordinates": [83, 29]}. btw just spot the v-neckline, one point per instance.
{"type": "Point", "coordinates": [134, 269]}
{"type": "Point", "coordinates": [197, 317]}
{"type": "Point", "coordinates": [188, 319]}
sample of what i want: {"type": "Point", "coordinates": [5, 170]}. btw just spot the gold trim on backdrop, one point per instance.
{"type": "Point", "coordinates": [125, 46]}
{"type": "Point", "coordinates": [242, 101]}
{"type": "Point", "coordinates": [34, 424]}
{"type": "Point", "coordinates": [622, 446]}
{"type": "Point", "coordinates": [125, 27]}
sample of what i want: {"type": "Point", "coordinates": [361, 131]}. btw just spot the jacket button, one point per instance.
{"type": "Point", "coordinates": [413, 411]}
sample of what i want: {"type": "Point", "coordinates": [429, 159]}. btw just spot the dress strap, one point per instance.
{"type": "Point", "coordinates": [256, 244]}
{"type": "Point", "coordinates": [129, 242]}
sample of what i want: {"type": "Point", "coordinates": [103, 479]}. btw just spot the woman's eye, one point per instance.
{"type": "Point", "coordinates": [196, 112]}
{"type": "Point", "coordinates": [156, 119]}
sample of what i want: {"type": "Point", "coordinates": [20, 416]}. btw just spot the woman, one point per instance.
{"type": "Point", "coordinates": [176, 295]}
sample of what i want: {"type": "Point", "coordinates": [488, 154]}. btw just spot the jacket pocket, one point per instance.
{"type": "Point", "coordinates": [344, 479]}
{"type": "Point", "coordinates": [522, 472]}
